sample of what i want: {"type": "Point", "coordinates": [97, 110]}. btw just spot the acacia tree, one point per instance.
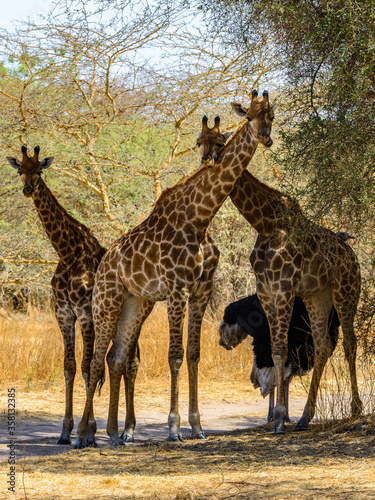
{"type": "Point", "coordinates": [120, 120]}
{"type": "Point", "coordinates": [327, 148]}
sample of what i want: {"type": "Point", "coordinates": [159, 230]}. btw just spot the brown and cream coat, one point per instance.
{"type": "Point", "coordinates": [72, 284]}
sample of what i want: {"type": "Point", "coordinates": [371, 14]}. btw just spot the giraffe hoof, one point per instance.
{"type": "Point", "coordinates": [127, 438]}
{"type": "Point", "coordinates": [301, 426]}
{"type": "Point", "coordinates": [80, 444]}
{"type": "Point", "coordinates": [175, 439]}
{"type": "Point", "coordinates": [200, 436]}
{"type": "Point", "coordinates": [117, 442]}
{"type": "Point", "coordinates": [64, 440]}
{"type": "Point", "coordinates": [279, 415]}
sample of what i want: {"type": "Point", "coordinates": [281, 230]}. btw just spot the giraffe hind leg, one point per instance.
{"type": "Point", "coordinates": [130, 374]}
{"type": "Point", "coordinates": [350, 349]}
{"type": "Point", "coordinates": [123, 361]}
{"type": "Point", "coordinates": [318, 308]}
{"type": "Point", "coordinates": [278, 310]}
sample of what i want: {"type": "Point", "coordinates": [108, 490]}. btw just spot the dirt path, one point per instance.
{"type": "Point", "coordinates": [36, 434]}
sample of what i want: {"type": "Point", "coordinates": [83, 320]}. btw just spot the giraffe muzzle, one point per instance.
{"type": "Point", "coordinates": [28, 191]}
{"type": "Point", "coordinates": [265, 139]}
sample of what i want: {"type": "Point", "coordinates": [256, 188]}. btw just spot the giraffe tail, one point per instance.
{"type": "Point", "coordinates": [101, 382]}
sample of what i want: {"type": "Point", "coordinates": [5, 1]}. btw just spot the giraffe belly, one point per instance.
{"type": "Point", "coordinates": [156, 282]}
{"type": "Point", "coordinates": [311, 285]}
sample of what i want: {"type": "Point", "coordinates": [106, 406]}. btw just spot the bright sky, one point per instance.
{"type": "Point", "coordinates": [20, 10]}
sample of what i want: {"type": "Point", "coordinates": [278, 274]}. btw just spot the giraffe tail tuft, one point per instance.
{"type": "Point", "coordinates": [101, 382]}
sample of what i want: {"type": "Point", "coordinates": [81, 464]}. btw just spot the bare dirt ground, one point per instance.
{"type": "Point", "coordinates": [39, 422]}
{"type": "Point", "coordinates": [239, 459]}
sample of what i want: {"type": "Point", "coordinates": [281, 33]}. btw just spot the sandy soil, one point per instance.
{"type": "Point", "coordinates": [240, 459]}
{"type": "Point", "coordinates": [40, 413]}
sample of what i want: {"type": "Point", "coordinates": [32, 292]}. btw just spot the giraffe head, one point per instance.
{"type": "Point", "coordinates": [211, 140]}
{"type": "Point", "coordinates": [29, 168]}
{"type": "Point", "coordinates": [259, 115]}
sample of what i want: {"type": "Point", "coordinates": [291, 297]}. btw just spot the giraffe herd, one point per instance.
{"type": "Point", "coordinates": [170, 256]}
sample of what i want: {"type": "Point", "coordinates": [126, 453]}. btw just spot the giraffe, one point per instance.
{"type": "Point", "coordinates": [79, 253]}
{"type": "Point", "coordinates": [213, 141]}
{"type": "Point", "coordinates": [294, 256]}
{"type": "Point", "coordinates": [169, 256]}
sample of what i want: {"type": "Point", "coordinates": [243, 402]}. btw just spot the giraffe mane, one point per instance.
{"type": "Point", "coordinates": [183, 182]}
{"type": "Point", "coordinates": [66, 214]}
{"type": "Point", "coordinates": [271, 191]}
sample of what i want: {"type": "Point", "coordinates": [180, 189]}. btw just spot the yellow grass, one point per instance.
{"type": "Point", "coordinates": [243, 465]}
{"type": "Point", "coordinates": [249, 464]}
{"type": "Point", "coordinates": [34, 343]}
{"type": "Point", "coordinates": [31, 357]}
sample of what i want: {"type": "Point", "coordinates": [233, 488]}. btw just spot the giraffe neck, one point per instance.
{"type": "Point", "coordinates": [265, 208]}
{"type": "Point", "coordinates": [197, 200]}
{"type": "Point", "coordinates": [66, 234]}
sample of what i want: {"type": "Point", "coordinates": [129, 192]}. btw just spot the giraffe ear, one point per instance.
{"type": "Point", "coordinates": [46, 162]}
{"type": "Point", "coordinates": [227, 135]}
{"type": "Point", "coordinates": [13, 162]}
{"type": "Point", "coordinates": [238, 109]}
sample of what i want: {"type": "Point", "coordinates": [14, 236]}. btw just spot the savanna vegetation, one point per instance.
{"type": "Point", "coordinates": [115, 91]}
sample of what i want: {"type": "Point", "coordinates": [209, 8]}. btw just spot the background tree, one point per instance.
{"type": "Point", "coordinates": [327, 53]}
{"type": "Point", "coordinates": [117, 97]}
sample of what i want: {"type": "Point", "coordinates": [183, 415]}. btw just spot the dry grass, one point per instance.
{"type": "Point", "coordinates": [242, 465]}
{"type": "Point", "coordinates": [331, 462]}
{"type": "Point", "coordinates": [36, 335]}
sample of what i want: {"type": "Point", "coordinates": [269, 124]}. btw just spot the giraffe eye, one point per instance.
{"type": "Point", "coordinates": [198, 143]}
{"type": "Point", "coordinates": [271, 119]}
{"type": "Point", "coordinates": [40, 172]}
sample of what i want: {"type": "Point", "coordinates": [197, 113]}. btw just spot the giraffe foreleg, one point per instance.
{"type": "Point", "coordinates": [66, 320]}
{"type": "Point", "coordinates": [176, 305]}
{"type": "Point", "coordinates": [197, 307]}
{"type": "Point", "coordinates": [196, 312]}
